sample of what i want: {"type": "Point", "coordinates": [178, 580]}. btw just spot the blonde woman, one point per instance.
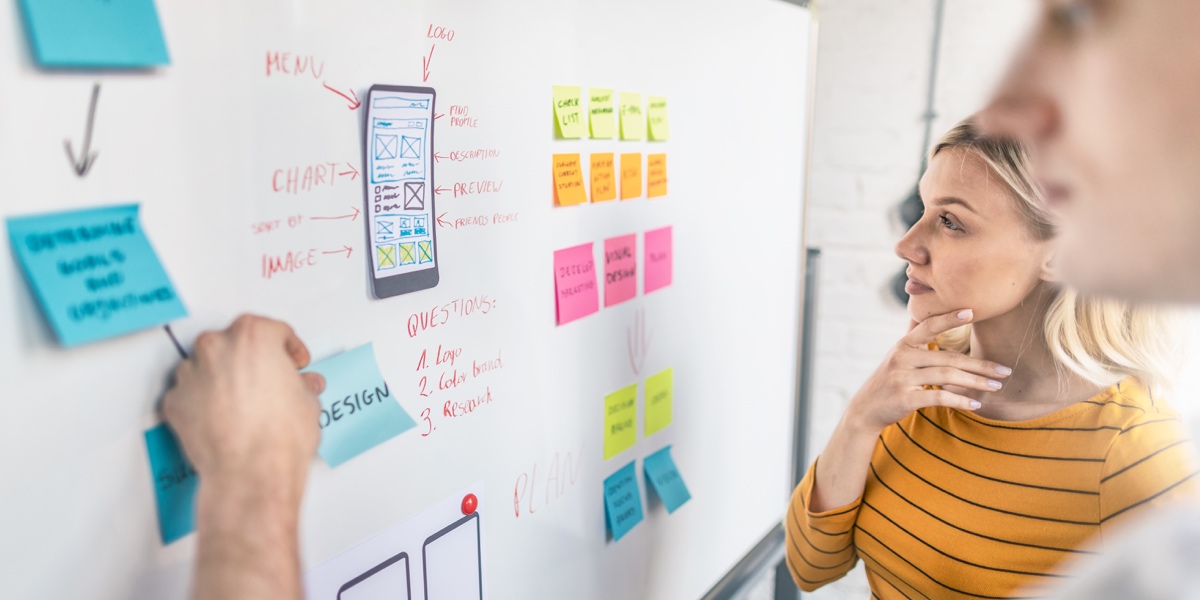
{"type": "Point", "coordinates": [1036, 430]}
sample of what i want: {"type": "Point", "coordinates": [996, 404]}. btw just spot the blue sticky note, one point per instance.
{"type": "Point", "coordinates": [175, 484]}
{"type": "Point", "coordinates": [358, 411]}
{"type": "Point", "coordinates": [665, 479]}
{"type": "Point", "coordinates": [622, 501]}
{"type": "Point", "coordinates": [95, 33]}
{"type": "Point", "coordinates": [94, 272]}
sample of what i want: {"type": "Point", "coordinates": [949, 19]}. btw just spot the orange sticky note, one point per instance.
{"type": "Point", "coordinates": [568, 180]}
{"type": "Point", "coordinates": [604, 178]}
{"type": "Point", "coordinates": [656, 175]}
{"type": "Point", "coordinates": [631, 175]}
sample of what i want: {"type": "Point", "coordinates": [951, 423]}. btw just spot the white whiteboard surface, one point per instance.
{"type": "Point", "coordinates": [198, 142]}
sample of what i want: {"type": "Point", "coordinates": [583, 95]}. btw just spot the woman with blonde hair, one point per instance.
{"type": "Point", "coordinates": [1016, 425]}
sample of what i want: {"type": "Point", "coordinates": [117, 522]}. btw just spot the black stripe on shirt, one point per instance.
{"type": "Point", "coordinates": [1144, 459]}
{"type": "Point", "coordinates": [1147, 499]}
{"type": "Point", "coordinates": [1065, 458]}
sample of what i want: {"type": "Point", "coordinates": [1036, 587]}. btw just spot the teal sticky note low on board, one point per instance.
{"type": "Point", "coordinates": [622, 501]}
{"type": "Point", "coordinates": [94, 272]}
{"type": "Point", "coordinates": [665, 479]}
{"type": "Point", "coordinates": [95, 33]}
{"type": "Point", "coordinates": [175, 484]}
{"type": "Point", "coordinates": [358, 411]}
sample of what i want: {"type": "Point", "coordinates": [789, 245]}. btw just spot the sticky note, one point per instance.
{"type": "Point", "coordinates": [94, 272]}
{"type": "Point", "coordinates": [665, 479]}
{"type": "Point", "coordinates": [633, 122]}
{"type": "Point", "coordinates": [620, 421]}
{"type": "Point", "coordinates": [568, 180]}
{"type": "Point", "coordinates": [175, 483]}
{"type": "Point", "coordinates": [601, 120]}
{"type": "Point", "coordinates": [604, 177]}
{"type": "Point", "coordinates": [659, 395]}
{"type": "Point", "coordinates": [656, 118]}
{"type": "Point", "coordinates": [622, 501]}
{"type": "Point", "coordinates": [656, 175]}
{"type": "Point", "coordinates": [620, 269]}
{"type": "Point", "coordinates": [657, 260]}
{"type": "Point", "coordinates": [568, 111]}
{"type": "Point", "coordinates": [575, 290]}
{"type": "Point", "coordinates": [358, 411]}
{"type": "Point", "coordinates": [631, 175]}
{"type": "Point", "coordinates": [95, 33]}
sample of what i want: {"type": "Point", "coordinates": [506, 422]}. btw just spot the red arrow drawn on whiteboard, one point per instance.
{"type": "Point", "coordinates": [444, 223]}
{"type": "Point", "coordinates": [346, 249]}
{"type": "Point", "coordinates": [352, 217]}
{"type": "Point", "coordinates": [426, 61]}
{"type": "Point", "coordinates": [353, 173]}
{"type": "Point", "coordinates": [437, 157]}
{"type": "Point", "coordinates": [438, 116]}
{"type": "Point", "coordinates": [352, 98]}
{"type": "Point", "coordinates": [439, 189]}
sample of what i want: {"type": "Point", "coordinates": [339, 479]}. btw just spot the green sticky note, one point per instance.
{"type": "Point", "coordinates": [659, 393]}
{"type": "Point", "coordinates": [620, 421]}
{"type": "Point", "coordinates": [633, 121]}
{"type": "Point", "coordinates": [656, 117]}
{"type": "Point", "coordinates": [600, 114]}
{"type": "Point", "coordinates": [568, 111]}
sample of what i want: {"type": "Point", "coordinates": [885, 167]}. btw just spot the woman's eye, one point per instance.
{"type": "Point", "coordinates": [949, 224]}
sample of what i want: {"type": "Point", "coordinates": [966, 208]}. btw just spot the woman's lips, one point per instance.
{"type": "Point", "coordinates": [915, 287]}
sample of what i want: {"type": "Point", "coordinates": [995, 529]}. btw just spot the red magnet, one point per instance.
{"type": "Point", "coordinates": [469, 504]}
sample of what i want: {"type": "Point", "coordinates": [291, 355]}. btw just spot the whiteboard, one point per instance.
{"type": "Point", "coordinates": [200, 144]}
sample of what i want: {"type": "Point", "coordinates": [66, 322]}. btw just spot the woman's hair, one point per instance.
{"type": "Point", "coordinates": [1101, 340]}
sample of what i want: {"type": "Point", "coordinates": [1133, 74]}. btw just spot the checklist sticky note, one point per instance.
{"type": "Point", "coordinates": [575, 290]}
{"type": "Point", "coordinates": [94, 272]}
{"type": "Point", "coordinates": [568, 111]}
{"type": "Point", "coordinates": [622, 501]}
{"type": "Point", "coordinates": [604, 177]}
{"type": "Point", "coordinates": [358, 411]}
{"type": "Point", "coordinates": [568, 180]}
{"type": "Point", "coordinates": [620, 421]}
{"type": "Point", "coordinates": [633, 121]}
{"type": "Point", "coordinates": [656, 118]}
{"type": "Point", "coordinates": [631, 175]}
{"type": "Point", "coordinates": [656, 175]}
{"type": "Point", "coordinates": [175, 484]}
{"type": "Point", "coordinates": [620, 269]}
{"type": "Point", "coordinates": [665, 479]}
{"type": "Point", "coordinates": [657, 261]}
{"type": "Point", "coordinates": [659, 395]}
{"type": "Point", "coordinates": [95, 33]}
{"type": "Point", "coordinates": [601, 120]}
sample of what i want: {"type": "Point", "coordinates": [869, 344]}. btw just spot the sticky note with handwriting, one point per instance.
{"type": "Point", "coordinates": [358, 411]}
{"type": "Point", "coordinates": [568, 180]}
{"type": "Point", "coordinates": [575, 290]}
{"type": "Point", "coordinates": [568, 111]}
{"type": "Point", "coordinates": [656, 175]}
{"type": "Point", "coordinates": [622, 501]}
{"type": "Point", "coordinates": [633, 121]}
{"type": "Point", "coordinates": [620, 421]}
{"type": "Point", "coordinates": [631, 175]}
{"type": "Point", "coordinates": [175, 484]}
{"type": "Point", "coordinates": [659, 396]}
{"type": "Point", "coordinates": [665, 479]}
{"type": "Point", "coordinates": [656, 118]}
{"type": "Point", "coordinates": [94, 272]}
{"type": "Point", "coordinates": [657, 264]}
{"type": "Point", "coordinates": [601, 120]}
{"type": "Point", "coordinates": [620, 269]}
{"type": "Point", "coordinates": [604, 177]}
{"type": "Point", "coordinates": [95, 33]}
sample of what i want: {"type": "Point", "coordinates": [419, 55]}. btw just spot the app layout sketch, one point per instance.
{"type": "Point", "coordinates": [453, 562]}
{"type": "Point", "coordinates": [389, 579]}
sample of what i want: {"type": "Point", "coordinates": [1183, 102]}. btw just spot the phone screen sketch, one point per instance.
{"type": "Point", "coordinates": [401, 228]}
{"type": "Point", "coordinates": [454, 562]}
{"type": "Point", "coordinates": [388, 580]}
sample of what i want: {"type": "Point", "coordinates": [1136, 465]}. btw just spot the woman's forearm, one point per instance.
{"type": "Point", "coordinates": [841, 471]}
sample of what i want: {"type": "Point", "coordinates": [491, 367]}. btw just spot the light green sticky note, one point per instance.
{"type": "Point", "coordinates": [633, 121]}
{"type": "Point", "coordinates": [600, 113]}
{"type": "Point", "coordinates": [568, 111]}
{"type": "Point", "coordinates": [620, 421]}
{"type": "Point", "coordinates": [656, 117]}
{"type": "Point", "coordinates": [660, 390]}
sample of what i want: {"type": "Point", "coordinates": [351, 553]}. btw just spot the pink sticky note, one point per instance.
{"type": "Point", "coordinates": [575, 283]}
{"type": "Point", "coordinates": [620, 269]}
{"type": "Point", "coordinates": [658, 259]}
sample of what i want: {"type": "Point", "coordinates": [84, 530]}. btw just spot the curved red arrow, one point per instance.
{"type": "Point", "coordinates": [346, 249]}
{"type": "Point", "coordinates": [352, 217]}
{"type": "Point", "coordinates": [444, 223]}
{"type": "Point", "coordinates": [352, 98]}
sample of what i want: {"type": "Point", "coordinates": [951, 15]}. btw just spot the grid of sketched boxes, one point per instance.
{"type": "Point", "coordinates": [404, 230]}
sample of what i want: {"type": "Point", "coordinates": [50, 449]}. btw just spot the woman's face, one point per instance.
{"type": "Point", "coordinates": [971, 248]}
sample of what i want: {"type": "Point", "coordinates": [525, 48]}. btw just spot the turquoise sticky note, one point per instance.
{"type": "Point", "coordinates": [95, 33]}
{"type": "Point", "coordinates": [175, 484]}
{"type": "Point", "coordinates": [665, 479]}
{"type": "Point", "coordinates": [622, 501]}
{"type": "Point", "coordinates": [358, 411]}
{"type": "Point", "coordinates": [94, 272]}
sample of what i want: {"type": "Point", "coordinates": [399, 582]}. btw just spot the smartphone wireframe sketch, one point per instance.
{"type": "Point", "coordinates": [389, 580]}
{"type": "Point", "coordinates": [453, 562]}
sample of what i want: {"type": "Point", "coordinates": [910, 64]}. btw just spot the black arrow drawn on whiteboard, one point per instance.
{"type": "Point", "coordinates": [86, 158]}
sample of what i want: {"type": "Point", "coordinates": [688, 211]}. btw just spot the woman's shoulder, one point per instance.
{"type": "Point", "coordinates": [1130, 403]}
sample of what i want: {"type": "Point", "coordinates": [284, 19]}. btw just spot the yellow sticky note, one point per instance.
{"type": "Point", "coordinates": [633, 121]}
{"type": "Point", "coordinates": [631, 175]}
{"type": "Point", "coordinates": [601, 120]}
{"type": "Point", "coordinates": [620, 421]}
{"type": "Point", "coordinates": [604, 177]}
{"type": "Point", "coordinates": [656, 117]}
{"type": "Point", "coordinates": [660, 390]}
{"type": "Point", "coordinates": [656, 175]}
{"type": "Point", "coordinates": [568, 180]}
{"type": "Point", "coordinates": [568, 111]}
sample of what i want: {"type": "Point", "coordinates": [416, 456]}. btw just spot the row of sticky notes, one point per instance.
{"type": "Point", "coordinates": [620, 412]}
{"type": "Point", "coordinates": [70, 33]}
{"type": "Point", "coordinates": [598, 118]}
{"type": "Point", "coordinates": [575, 290]}
{"type": "Point", "coordinates": [623, 497]}
{"type": "Point", "coordinates": [569, 188]}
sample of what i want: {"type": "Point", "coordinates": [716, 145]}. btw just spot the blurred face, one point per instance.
{"type": "Point", "coordinates": [971, 248]}
{"type": "Point", "coordinates": [1106, 93]}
